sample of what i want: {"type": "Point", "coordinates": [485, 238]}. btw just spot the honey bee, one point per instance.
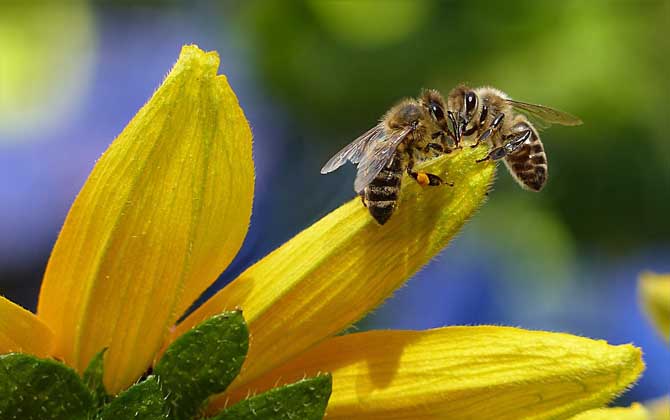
{"type": "Point", "coordinates": [412, 130]}
{"type": "Point", "coordinates": [487, 114]}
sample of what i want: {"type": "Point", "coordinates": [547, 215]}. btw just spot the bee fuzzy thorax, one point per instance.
{"type": "Point", "coordinates": [403, 114]}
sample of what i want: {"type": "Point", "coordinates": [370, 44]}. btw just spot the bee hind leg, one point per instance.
{"type": "Point", "coordinates": [423, 178]}
{"type": "Point", "coordinates": [509, 147]}
{"type": "Point", "coordinates": [426, 179]}
{"type": "Point", "coordinates": [362, 195]}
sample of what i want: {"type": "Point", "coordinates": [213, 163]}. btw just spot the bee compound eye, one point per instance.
{"type": "Point", "coordinates": [436, 111]}
{"type": "Point", "coordinates": [470, 102]}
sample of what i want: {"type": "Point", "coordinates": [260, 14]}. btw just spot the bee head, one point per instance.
{"type": "Point", "coordinates": [434, 104]}
{"type": "Point", "coordinates": [462, 105]}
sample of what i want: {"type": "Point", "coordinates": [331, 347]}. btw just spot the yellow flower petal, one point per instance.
{"type": "Point", "coordinates": [334, 272]}
{"type": "Point", "coordinates": [23, 332]}
{"type": "Point", "coordinates": [164, 211]}
{"type": "Point", "coordinates": [634, 412]}
{"type": "Point", "coordinates": [659, 408]}
{"type": "Point", "coordinates": [654, 292]}
{"type": "Point", "coordinates": [461, 373]}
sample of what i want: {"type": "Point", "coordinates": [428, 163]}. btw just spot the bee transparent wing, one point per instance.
{"type": "Point", "coordinates": [354, 150]}
{"type": "Point", "coordinates": [544, 116]}
{"type": "Point", "coordinates": [377, 155]}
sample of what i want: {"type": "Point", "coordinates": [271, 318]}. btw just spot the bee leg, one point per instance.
{"type": "Point", "coordinates": [425, 179]}
{"type": "Point", "coordinates": [510, 146]}
{"type": "Point", "coordinates": [362, 195]}
{"type": "Point", "coordinates": [495, 125]}
{"type": "Point", "coordinates": [435, 147]}
{"type": "Point", "coordinates": [454, 133]}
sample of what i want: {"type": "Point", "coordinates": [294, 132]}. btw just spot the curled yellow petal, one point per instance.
{"type": "Point", "coordinates": [334, 272]}
{"type": "Point", "coordinates": [635, 412]}
{"type": "Point", "coordinates": [164, 211]}
{"type": "Point", "coordinates": [461, 373]}
{"type": "Point", "coordinates": [22, 332]}
{"type": "Point", "coordinates": [654, 292]}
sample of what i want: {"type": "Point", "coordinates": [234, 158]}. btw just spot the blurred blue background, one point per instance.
{"type": "Point", "coordinates": [311, 76]}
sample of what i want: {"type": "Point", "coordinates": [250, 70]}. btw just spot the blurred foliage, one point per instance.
{"type": "Point", "coordinates": [339, 65]}
{"type": "Point", "coordinates": [45, 65]}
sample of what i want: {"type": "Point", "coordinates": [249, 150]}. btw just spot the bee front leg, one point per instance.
{"type": "Point", "coordinates": [495, 125]}
{"type": "Point", "coordinates": [509, 147]}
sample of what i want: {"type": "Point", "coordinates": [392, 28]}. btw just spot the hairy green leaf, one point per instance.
{"type": "Point", "coordinates": [203, 362]}
{"type": "Point", "coordinates": [41, 389]}
{"type": "Point", "coordinates": [304, 400]}
{"type": "Point", "coordinates": [142, 401]}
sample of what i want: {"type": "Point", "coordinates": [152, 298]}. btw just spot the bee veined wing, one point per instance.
{"type": "Point", "coordinates": [545, 114]}
{"type": "Point", "coordinates": [377, 155]}
{"type": "Point", "coordinates": [354, 150]}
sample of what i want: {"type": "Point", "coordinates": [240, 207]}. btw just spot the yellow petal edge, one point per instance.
{"type": "Point", "coordinates": [654, 290]}
{"type": "Point", "coordinates": [456, 373]}
{"type": "Point", "coordinates": [22, 332]}
{"type": "Point", "coordinates": [164, 211]}
{"type": "Point", "coordinates": [635, 412]}
{"type": "Point", "coordinates": [337, 270]}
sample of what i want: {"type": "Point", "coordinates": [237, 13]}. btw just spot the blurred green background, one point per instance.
{"type": "Point", "coordinates": [312, 76]}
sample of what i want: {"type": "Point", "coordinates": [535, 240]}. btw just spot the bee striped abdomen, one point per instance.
{"type": "Point", "coordinates": [528, 165]}
{"type": "Point", "coordinates": [381, 195]}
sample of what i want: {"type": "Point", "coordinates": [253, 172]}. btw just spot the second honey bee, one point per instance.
{"type": "Point", "coordinates": [487, 114]}
{"type": "Point", "coordinates": [411, 131]}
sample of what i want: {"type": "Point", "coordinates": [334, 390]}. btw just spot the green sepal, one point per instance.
{"type": "Point", "coordinates": [305, 400]}
{"type": "Point", "coordinates": [93, 379]}
{"type": "Point", "coordinates": [142, 401]}
{"type": "Point", "coordinates": [41, 389]}
{"type": "Point", "coordinates": [202, 362]}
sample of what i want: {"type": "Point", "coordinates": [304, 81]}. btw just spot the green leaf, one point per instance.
{"type": "Point", "coordinates": [93, 379]}
{"type": "Point", "coordinates": [41, 389]}
{"type": "Point", "coordinates": [142, 401]}
{"type": "Point", "coordinates": [304, 400]}
{"type": "Point", "coordinates": [203, 362]}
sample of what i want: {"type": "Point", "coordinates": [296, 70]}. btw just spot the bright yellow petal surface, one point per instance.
{"type": "Point", "coordinates": [343, 266]}
{"type": "Point", "coordinates": [634, 412]}
{"type": "Point", "coordinates": [22, 332]}
{"type": "Point", "coordinates": [164, 211]}
{"type": "Point", "coordinates": [462, 373]}
{"type": "Point", "coordinates": [654, 292]}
